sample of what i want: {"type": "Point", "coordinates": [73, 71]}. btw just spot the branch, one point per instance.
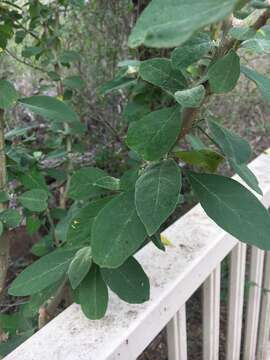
{"type": "Point", "coordinates": [15, 57]}
{"type": "Point", "coordinates": [4, 240]}
{"type": "Point", "coordinates": [190, 114]}
{"type": "Point", "coordinates": [47, 311]}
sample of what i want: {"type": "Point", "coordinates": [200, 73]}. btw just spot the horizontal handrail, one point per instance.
{"type": "Point", "coordinates": [199, 245]}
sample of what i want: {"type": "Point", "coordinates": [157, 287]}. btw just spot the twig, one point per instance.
{"type": "Point", "coordinates": [47, 311]}
{"type": "Point", "coordinates": [190, 114]}
{"type": "Point", "coordinates": [15, 57]}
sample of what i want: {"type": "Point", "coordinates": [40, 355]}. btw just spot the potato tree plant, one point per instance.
{"type": "Point", "coordinates": [91, 243]}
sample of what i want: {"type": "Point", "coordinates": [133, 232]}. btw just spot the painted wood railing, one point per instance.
{"type": "Point", "coordinates": [199, 246]}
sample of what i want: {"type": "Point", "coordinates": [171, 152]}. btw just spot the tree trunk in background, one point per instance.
{"type": "Point", "coordinates": [140, 5]}
{"type": "Point", "coordinates": [4, 241]}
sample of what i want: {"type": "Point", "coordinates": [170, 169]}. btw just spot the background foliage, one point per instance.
{"type": "Point", "coordinates": [95, 168]}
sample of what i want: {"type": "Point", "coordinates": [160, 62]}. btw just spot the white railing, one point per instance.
{"type": "Point", "coordinates": [199, 246]}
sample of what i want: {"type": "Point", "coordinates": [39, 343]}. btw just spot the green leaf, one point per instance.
{"type": "Point", "coordinates": [79, 266]}
{"type": "Point", "coordinates": [50, 108]}
{"type": "Point", "coordinates": [82, 184]}
{"type": "Point", "coordinates": [54, 76]}
{"type": "Point", "coordinates": [224, 73]}
{"type": "Point", "coordinates": [231, 144]}
{"type": "Point", "coordinates": [153, 136]}
{"type": "Point", "coordinates": [171, 25]}
{"type": "Point", "coordinates": [80, 225]}
{"type": "Point", "coordinates": [108, 182]}
{"type": "Point", "coordinates": [262, 82]}
{"type": "Point", "coordinates": [34, 179]}
{"type": "Point", "coordinates": [260, 4]}
{"type": "Point", "coordinates": [12, 323]}
{"type": "Point", "coordinates": [74, 82]}
{"type": "Point", "coordinates": [117, 232]}
{"type": "Point", "coordinates": [10, 218]}
{"type": "Point", "coordinates": [160, 72]}
{"type": "Point", "coordinates": [205, 158]}
{"type": "Point", "coordinates": [32, 307]}
{"type": "Point", "coordinates": [157, 242]}
{"type": "Point", "coordinates": [69, 56]}
{"type": "Point", "coordinates": [241, 34]}
{"type": "Point", "coordinates": [247, 175]}
{"type": "Point", "coordinates": [14, 341]}
{"type": "Point", "coordinates": [44, 246]}
{"type": "Point", "coordinates": [263, 32]}
{"type": "Point", "coordinates": [257, 46]}
{"type": "Point", "coordinates": [129, 282]}
{"type": "Point", "coordinates": [93, 295]}
{"type": "Point", "coordinates": [19, 131]}
{"type": "Point", "coordinates": [116, 84]}
{"type": "Point", "coordinates": [42, 273]}
{"type": "Point", "coordinates": [32, 224]}
{"type": "Point", "coordinates": [8, 94]}
{"type": "Point", "coordinates": [34, 200]}
{"type": "Point", "coordinates": [4, 197]}
{"type": "Point", "coordinates": [190, 98]}
{"type": "Point", "coordinates": [233, 208]}
{"type": "Point", "coordinates": [192, 51]}
{"type": "Point", "coordinates": [30, 51]}
{"type": "Point", "coordinates": [62, 226]}
{"type": "Point", "coordinates": [157, 194]}
{"type": "Point", "coordinates": [135, 110]}
{"type": "Point", "coordinates": [195, 142]}
{"type": "Point", "coordinates": [129, 178]}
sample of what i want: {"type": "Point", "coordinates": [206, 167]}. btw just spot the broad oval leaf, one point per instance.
{"type": "Point", "coordinates": [109, 183]}
{"type": "Point", "coordinates": [50, 108]}
{"type": "Point", "coordinates": [157, 193]}
{"type": "Point", "coordinates": [33, 179]}
{"type": "Point", "coordinates": [30, 51]}
{"type": "Point", "coordinates": [79, 266]}
{"type": "Point", "coordinates": [83, 183]}
{"type": "Point", "coordinates": [171, 25]}
{"type": "Point", "coordinates": [153, 136]}
{"type": "Point", "coordinates": [74, 82]}
{"type": "Point", "coordinates": [10, 218]}
{"type": "Point", "coordinates": [129, 282]}
{"type": "Point", "coordinates": [224, 73]}
{"type": "Point", "coordinates": [247, 175]}
{"type": "Point", "coordinates": [93, 295]}
{"type": "Point", "coordinates": [205, 158]}
{"type": "Point", "coordinates": [242, 33]}
{"type": "Point", "coordinates": [80, 225]}
{"type": "Point", "coordinates": [262, 82]}
{"type": "Point", "coordinates": [135, 110]}
{"type": "Point", "coordinates": [257, 46]}
{"type": "Point", "coordinates": [42, 273]}
{"type": "Point", "coordinates": [117, 232]}
{"type": "Point", "coordinates": [35, 200]}
{"type": "Point", "coordinates": [4, 197]}
{"type": "Point", "coordinates": [190, 98]}
{"type": "Point", "coordinates": [191, 51]}
{"type": "Point", "coordinates": [160, 72]}
{"type": "Point", "coordinates": [233, 208]}
{"type": "Point", "coordinates": [69, 56]}
{"type": "Point", "coordinates": [8, 94]}
{"type": "Point", "coordinates": [195, 142]}
{"type": "Point", "coordinates": [231, 144]}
